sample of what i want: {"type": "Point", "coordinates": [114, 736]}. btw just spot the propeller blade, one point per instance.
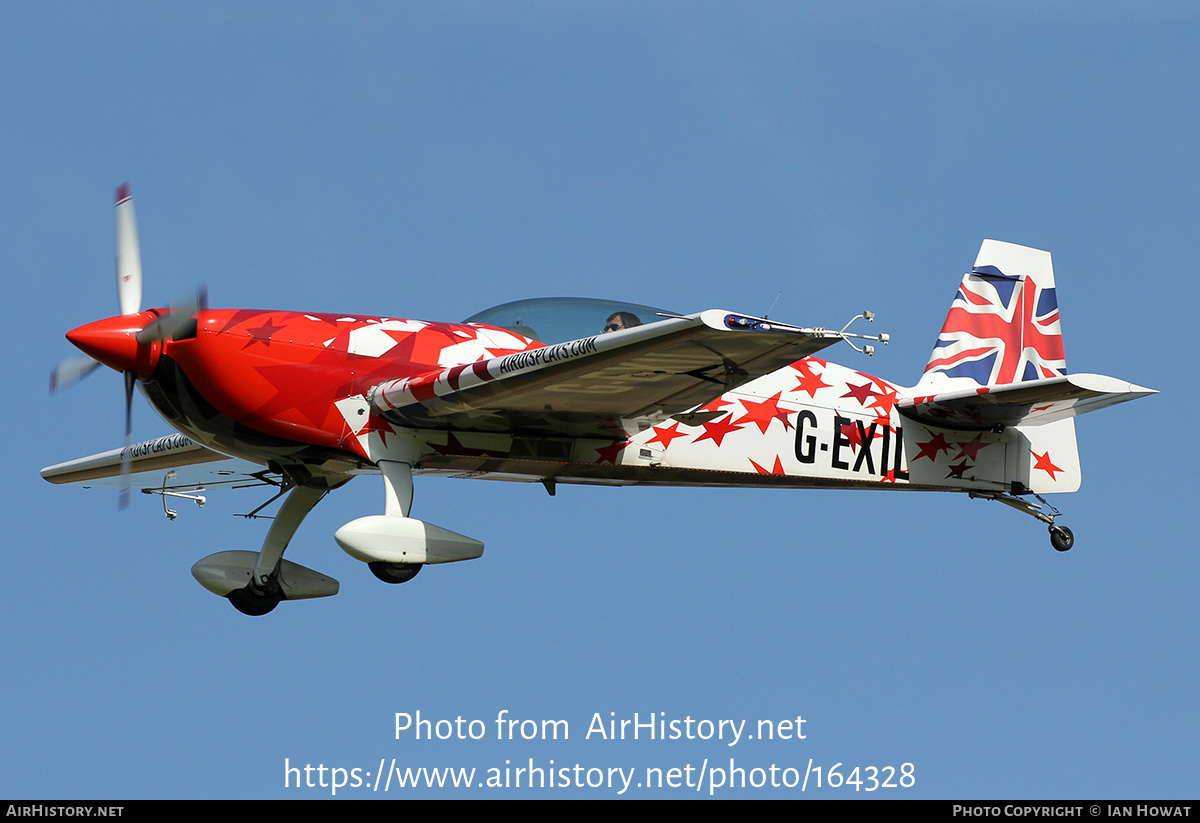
{"type": "Point", "coordinates": [176, 324]}
{"type": "Point", "coordinates": [129, 255]}
{"type": "Point", "coordinates": [71, 371]}
{"type": "Point", "coordinates": [130, 381]}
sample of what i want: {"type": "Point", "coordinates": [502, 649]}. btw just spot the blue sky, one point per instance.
{"type": "Point", "coordinates": [430, 160]}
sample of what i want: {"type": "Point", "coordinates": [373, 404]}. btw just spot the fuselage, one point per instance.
{"type": "Point", "coordinates": [291, 387]}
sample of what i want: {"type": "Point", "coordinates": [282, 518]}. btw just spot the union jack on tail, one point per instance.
{"type": "Point", "coordinates": [1003, 325]}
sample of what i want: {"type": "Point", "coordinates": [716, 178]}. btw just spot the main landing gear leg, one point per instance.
{"type": "Point", "coordinates": [398, 496]}
{"type": "Point", "coordinates": [263, 593]}
{"type": "Point", "coordinates": [1061, 537]}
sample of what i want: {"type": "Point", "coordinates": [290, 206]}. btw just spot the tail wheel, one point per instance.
{"type": "Point", "coordinates": [1061, 538]}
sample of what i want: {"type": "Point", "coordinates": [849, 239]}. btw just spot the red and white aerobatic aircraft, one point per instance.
{"type": "Point", "coordinates": [573, 391]}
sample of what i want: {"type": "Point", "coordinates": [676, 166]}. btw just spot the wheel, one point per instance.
{"type": "Point", "coordinates": [1061, 538]}
{"type": "Point", "coordinates": [253, 601]}
{"type": "Point", "coordinates": [395, 572]}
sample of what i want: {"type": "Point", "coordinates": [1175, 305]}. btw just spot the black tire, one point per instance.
{"type": "Point", "coordinates": [253, 602]}
{"type": "Point", "coordinates": [1061, 538]}
{"type": "Point", "coordinates": [395, 572]}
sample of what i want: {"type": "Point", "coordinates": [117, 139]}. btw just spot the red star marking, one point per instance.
{"type": "Point", "coordinates": [888, 477]}
{"type": "Point", "coordinates": [860, 393]}
{"type": "Point", "coordinates": [423, 345]}
{"type": "Point", "coordinates": [761, 414]}
{"type": "Point", "coordinates": [665, 436]}
{"type": "Point", "coordinates": [884, 401]}
{"type": "Point", "coordinates": [245, 316]}
{"type": "Point", "coordinates": [377, 424]}
{"type": "Point", "coordinates": [312, 397]}
{"type": "Point", "coordinates": [1043, 408]}
{"type": "Point", "coordinates": [850, 432]}
{"type": "Point", "coordinates": [957, 471]}
{"type": "Point", "coordinates": [1043, 463]}
{"type": "Point", "coordinates": [936, 444]}
{"type": "Point", "coordinates": [782, 414]}
{"type": "Point", "coordinates": [262, 334]}
{"type": "Point", "coordinates": [971, 450]}
{"type": "Point", "coordinates": [805, 366]}
{"type": "Point", "coordinates": [715, 405]}
{"type": "Point", "coordinates": [717, 429]}
{"type": "Point", "coordinates": [811, 383]}
{"type": "Point", "coordinates": [609, 453]}
{"type": "Point", "coordinates": [776, 469]}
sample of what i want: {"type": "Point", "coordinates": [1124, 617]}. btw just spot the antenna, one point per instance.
{"type": "Point", "coordinates": [767, 316]}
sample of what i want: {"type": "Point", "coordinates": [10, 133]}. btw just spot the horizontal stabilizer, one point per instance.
{"type": "Point", "coordinates": [1029, 403]}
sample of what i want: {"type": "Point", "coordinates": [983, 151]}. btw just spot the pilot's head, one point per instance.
{"type": "Point", "coordinates": [621, 320]}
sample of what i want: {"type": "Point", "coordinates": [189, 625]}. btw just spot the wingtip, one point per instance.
{"type": "Point", "coordinates": [123, 193]}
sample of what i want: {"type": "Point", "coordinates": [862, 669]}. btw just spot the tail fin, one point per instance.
{"type": "Point", "coordinates": [998, 368]}
{"type": "Point", "coordinates": [1003, 325]}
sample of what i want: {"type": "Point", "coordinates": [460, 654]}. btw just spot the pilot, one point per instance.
{"type": "Point", "coordinates": [621, 320]}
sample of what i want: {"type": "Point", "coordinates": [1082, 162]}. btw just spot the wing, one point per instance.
{"type": "Point", "coordinates": [588, 387]}
{"type": "Point", "coordinates": [1028, 403]}
{"type": "Point", "coordinates": [171, 463]}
